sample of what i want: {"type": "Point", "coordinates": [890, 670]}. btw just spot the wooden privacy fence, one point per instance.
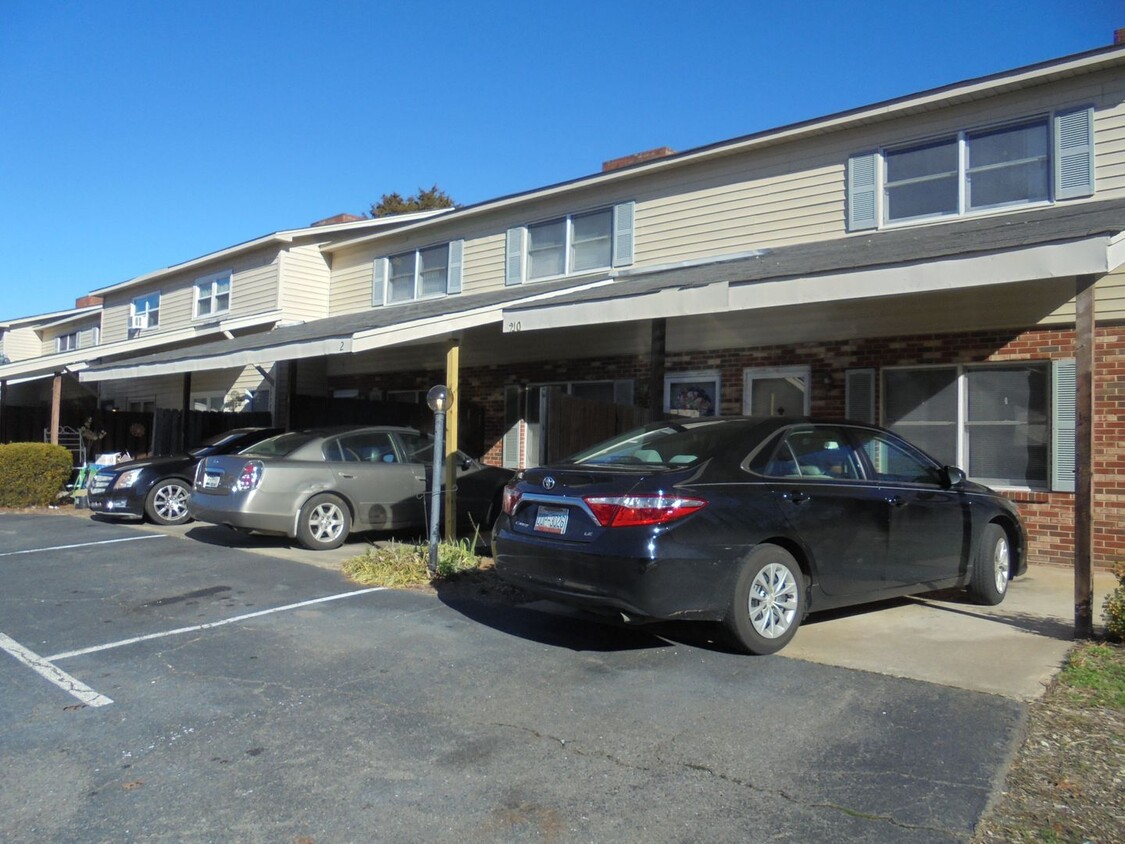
{"type": "Point", "coordinates": [573, 424]}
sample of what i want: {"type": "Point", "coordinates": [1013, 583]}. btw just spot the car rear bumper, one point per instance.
{"type": "Point", "coordinates": [235, 512]}
{"type": "Point", "coordinates": [669, 585]}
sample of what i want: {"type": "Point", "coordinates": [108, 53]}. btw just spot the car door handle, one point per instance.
{"type": "Point", "coordinates": [347, 475]}
{"type": "Point", "coordinates": [897, 501]}
{"type": "Point", "coordinates": [794, 497]}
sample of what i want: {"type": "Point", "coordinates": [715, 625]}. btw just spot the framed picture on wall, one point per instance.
{"type": "Point", "coordinates": [692, 393]}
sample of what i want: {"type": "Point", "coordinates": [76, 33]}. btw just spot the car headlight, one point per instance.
{"type": "Point", "coordinates": [127, 479]}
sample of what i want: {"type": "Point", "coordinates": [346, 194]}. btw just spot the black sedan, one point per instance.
{"type": "Point", "coordinates": [754, 523]}
{"type": "Point", "coordinates": [158, 487]}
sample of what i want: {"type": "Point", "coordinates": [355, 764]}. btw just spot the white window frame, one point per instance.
{"type": "Point", "coordinates": [207, 289]}
{"type": "Point", "coordinates": [68, 342]}
{"type": "Point", "coordinates": [763, 373]}
{"type": "Point", "coordinates": [568, 244]}
{"type": "Point", "coordinates": [454, 256]}
{"type": "Point", "coordinates": [960, 423]}
{"type": "Point", "coordinates": [961, 139]}
{"type": "Point", "coordinates": [208, 399]}
{"type": "Point", "coordinates": [141, 319]}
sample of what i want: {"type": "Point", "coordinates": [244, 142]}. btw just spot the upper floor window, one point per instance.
{"type": "Point", "coordinates": [212, 295]}
{"type": "Point", "coordinates": [973, 170]}
{"type": "Point", "coordinates": [66, 342]}
{"type": "Point", "coordinates": [418, 274]}
{"type": "Point", "coordinates": [145, 312]}
{"type": "Point", "coordinates": [572, 244]}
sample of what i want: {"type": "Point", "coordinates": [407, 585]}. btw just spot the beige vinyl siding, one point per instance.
{"type": "Point", "coordinates": [50, 337]}
{"type": "Point", "coordinates": [166, 391]}
{"type": "Point", "coordinates": [305, 283]}
{"type": "Point", "coordinates": [254, 284]}
{"type": "Point", "coordinates": [22, 344]}
{"type": "Point", "coordinates": [1109, 301]}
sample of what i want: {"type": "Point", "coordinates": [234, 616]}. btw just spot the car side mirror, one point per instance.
{"type": "Point", "coordinates": [953, 476]}
{"type": "Point", "coordinates": [466, 464]}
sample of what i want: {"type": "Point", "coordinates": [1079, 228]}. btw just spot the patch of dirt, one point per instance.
{"type": "Point", "coordinates": [481, 584]}
{"type": "Point", "coordinates": [1067, 781]}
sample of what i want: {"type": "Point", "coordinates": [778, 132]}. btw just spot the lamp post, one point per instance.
{"type": "Point", "coordinates": [438, 400]}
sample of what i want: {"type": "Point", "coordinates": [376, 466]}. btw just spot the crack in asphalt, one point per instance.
{"type": "Point", "coordinates": [741, 783]}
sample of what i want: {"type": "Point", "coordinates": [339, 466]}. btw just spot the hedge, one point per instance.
{"type": "Point", "coordinates": [33, 474]}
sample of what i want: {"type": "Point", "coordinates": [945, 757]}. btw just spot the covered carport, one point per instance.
{"type": "Point", "coordinates": [1014, 271]}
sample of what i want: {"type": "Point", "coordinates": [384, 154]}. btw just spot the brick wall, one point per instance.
{"type": "Point", "coordinates": [1049, 516]}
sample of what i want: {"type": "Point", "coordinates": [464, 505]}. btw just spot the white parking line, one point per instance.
{"type": "Point", "coordinates": [82, 545]}
{"type": "Point", "coordinates": [53, 673]}
{"type": "Point", "coordinates": [208, 625]}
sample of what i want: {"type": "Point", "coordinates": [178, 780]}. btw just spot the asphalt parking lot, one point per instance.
{"type": "Point", "coordinates": [158, 686]}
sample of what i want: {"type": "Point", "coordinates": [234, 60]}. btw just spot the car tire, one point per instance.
{"type": "Point", "coordinates": [992, 567]}
{"type": "Point", "coordinates": [768, 601]}
{"type": "Point", "coordinates": [166, 502]}
{"type": "Point", "coordinates": [324, 523]}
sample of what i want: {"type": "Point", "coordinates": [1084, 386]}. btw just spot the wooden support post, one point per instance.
{"type": "Point", "coordinates": [286, 421]}
{"type": "Point", "coordinates": [656, 368]}
{"type": "Point", "coordinates": [185, 409]}
{"type": "Point", "coordinates": [3, 411]}
{"type": "Point", "coordinates": [452, 372]}
{"type": "Point", "coordinates": [1085, 341]}
{"type": "Point", "coordinates": [56, 407]}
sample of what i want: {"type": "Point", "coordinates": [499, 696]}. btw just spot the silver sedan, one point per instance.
{"type": "Point", "coordinates": [318, 486]}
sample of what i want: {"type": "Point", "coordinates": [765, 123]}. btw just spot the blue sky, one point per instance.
{"type": "Point", "coordinates": [136, 135]}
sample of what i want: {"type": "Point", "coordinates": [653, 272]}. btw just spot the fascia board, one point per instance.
{"type": "Point", "coordinates": [1053, 260]}
{"type": "Point", "coordinates": [247, 357]}
{"type": "Point", "coordinates": [452, 323]}
{"type": "Point", "coordinates": [669, 302]}
{"type": "Point", "coordinates": [1091, 255]}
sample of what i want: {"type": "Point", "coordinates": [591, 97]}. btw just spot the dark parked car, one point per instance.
{"type": "Point", "coordinates": [157, 487]}
{"type": "Point", "coordinates": [754, 523]}
{"type": "Point", "coordinates": [317, 486]}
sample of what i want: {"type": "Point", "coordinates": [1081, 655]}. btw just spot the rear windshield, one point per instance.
{"type": "Point", "coordinates": [216, 442]}
{"type": "Point", "coordinates": [667, 446]}
{"type": "Point", "coordinates": [279, 446]}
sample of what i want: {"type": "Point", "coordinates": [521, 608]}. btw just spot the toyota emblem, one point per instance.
{"type": "Point", "coordinates": [548, 482]}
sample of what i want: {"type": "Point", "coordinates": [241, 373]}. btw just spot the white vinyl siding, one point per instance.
{"type": "Point", "coordinates": [304, 284]}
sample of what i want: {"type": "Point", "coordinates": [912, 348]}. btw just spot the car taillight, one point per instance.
{"type": "Point", "coordinates": [249, 477]}
{"type": "Point", "coordinates": [633, 510]}
{"type": "Point", "coordinates": [512, 497]}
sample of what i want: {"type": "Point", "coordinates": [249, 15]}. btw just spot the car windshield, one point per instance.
{"type": "Point", "coordinates": [279, 446]}
{"type": "Point", "coordinates": [670, 445]}
{"type": "Point", "coordinates": [213, 444]}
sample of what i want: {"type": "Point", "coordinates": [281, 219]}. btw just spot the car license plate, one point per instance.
{"type": "Point", "coordinates": [211, 480]}
{"type": "Point", "coordinates": [551, 520]}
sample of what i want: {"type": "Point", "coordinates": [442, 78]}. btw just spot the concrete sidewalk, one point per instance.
{"type": "Point", "coordinates": [1012, 650]}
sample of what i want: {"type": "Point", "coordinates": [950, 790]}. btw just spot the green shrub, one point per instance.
{"type": "Point", "coordinates": [32, 474]}
{"type": "Point", "coordinates": [1114, 609]}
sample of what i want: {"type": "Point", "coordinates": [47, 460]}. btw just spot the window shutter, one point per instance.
{"type": "Point", "coordinates": [1074, 153]}
{"type": "Point", "coordinates": [859, 395]}
{"type": "Point", "coordinates": [1064, 415]}
{"type": "Point", "coordinates": [453, 279]}
{"type": "Point", "coordinates": [513, 256]}
{"type": "Point", "coordinates": [623, 234]}
{"type": "Point", "coordinates": [510, 456]}
{"type": "Point", "coordinates": [623, 391]}
{"type": "Point", "coordinates": [379, 284]}
{"type": "Point", "coordinates": [862, 184]}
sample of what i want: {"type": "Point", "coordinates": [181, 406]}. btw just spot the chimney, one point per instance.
{"type": "Point", "coordinates": [339, 218]}
{"type": "Point", "coordinates": [1118, 37]}
{"type": "Point", "coordinates": [636, 158]}
{"type": "Point", "coordinates": [87, 301]}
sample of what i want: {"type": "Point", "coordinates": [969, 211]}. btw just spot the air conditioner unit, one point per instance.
{"type": "Point", "coordinates": [138, 321]}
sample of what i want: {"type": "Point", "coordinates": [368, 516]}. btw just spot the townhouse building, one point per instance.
{"type": "Point", "coordinates": [948, 264]}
